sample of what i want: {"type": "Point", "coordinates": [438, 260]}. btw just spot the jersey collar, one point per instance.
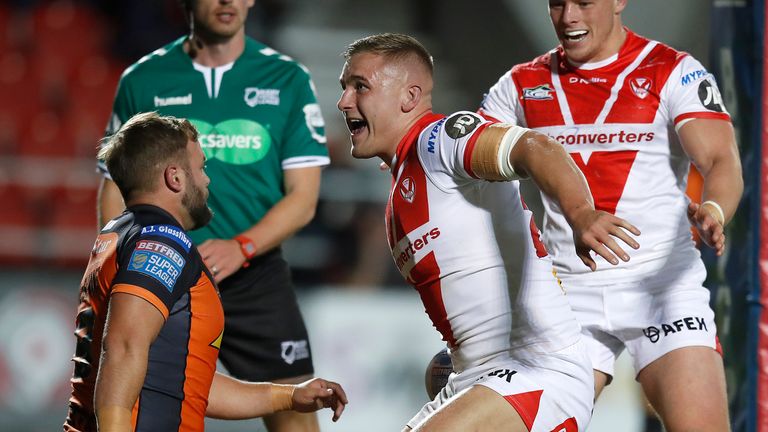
{"type": "Point", "coordinates": [631, 47]}
{"type": "Point", "coordinates": [410, 137]}
{"type": "Point", "coordinates": [155, 214]}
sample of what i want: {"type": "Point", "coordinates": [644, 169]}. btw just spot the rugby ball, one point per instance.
{"type": "Point", "coordinates": [438, 370]}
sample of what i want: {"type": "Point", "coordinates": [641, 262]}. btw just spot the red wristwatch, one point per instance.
{"type": "Point", "coordinates": [247, 247]}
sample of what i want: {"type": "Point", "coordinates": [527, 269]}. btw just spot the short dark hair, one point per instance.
{"type": "Point", "coordinates": [137, 153]}
{"type": "Point", "coordinates": [394, 46]}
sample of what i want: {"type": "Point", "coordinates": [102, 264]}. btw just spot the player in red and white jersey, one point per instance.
{"type": "Point", "coordinates": [633, 113]}
{"type": "Point", "coordinates": [461, 235]}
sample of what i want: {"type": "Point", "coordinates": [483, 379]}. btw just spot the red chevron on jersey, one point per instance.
{"type": "Point", "coordinates": [414, 234]}
{"type": "Point", "coordinates": [618, 118]}
{"type": "Point", "coordinates": [431, 295]}
{"type": "Point", "coordinates": [414, 249]}
{"type": "Point", "coordinates": [606, 174]}
{"type": "Point", "coordinates": [416, 258]}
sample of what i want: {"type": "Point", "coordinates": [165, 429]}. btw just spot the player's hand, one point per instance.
{"type": "Point", "coordinates": [708, 226]}
{"type": "Point", "coordinates": [223, 257]}
{"type": "Point", "coordinates": [318, 393]}
{"type": "Point", "coordinates": [595, 230]}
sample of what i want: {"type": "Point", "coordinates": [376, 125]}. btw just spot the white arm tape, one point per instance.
{"type": "Point", "coordinates": [682, 122]}
{"type": "Point", "coordinates": [508, 141]}
{"type": "Point", "coordinates": [718, 209]}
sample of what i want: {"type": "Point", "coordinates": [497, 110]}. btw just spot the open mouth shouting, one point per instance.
{"type": "Point", "coordinates": [356, 126]}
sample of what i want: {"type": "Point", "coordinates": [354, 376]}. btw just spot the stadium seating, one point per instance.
{"type": "Point", "coordinates": [57, 80]}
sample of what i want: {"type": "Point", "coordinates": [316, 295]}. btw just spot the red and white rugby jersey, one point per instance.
{"type": "Point", "coordinates": [471, 248]}
{"type": "Point", "coordinates": [617, 118]}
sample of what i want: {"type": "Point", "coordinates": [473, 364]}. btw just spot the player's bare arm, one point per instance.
{"type": "Point", "coordinates": [131, 327]}
{"type": "Point", "coordinates": [234, 400]}
{"type": "Point", "coordinates": [711, 145]}
{"type": "Point", "coordinates": [290, 214]}
{"type": "Point", "coordinates": [109, 202]}
{"type": "Point", "coordinates": [533, 154]}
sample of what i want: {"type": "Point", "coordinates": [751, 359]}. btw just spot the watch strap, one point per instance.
{"type": "Point", "coordinates": [247, 246]}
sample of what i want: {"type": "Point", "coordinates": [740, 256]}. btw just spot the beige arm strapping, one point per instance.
{"type": "Point", "coordinates": [490, 157]}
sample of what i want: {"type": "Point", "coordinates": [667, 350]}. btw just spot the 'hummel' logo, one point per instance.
{"type": "Point", "coordinates": [173, 100]}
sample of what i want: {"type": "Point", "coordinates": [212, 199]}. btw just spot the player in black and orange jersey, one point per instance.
{"type": "Point", "coordinates": [150, 320]}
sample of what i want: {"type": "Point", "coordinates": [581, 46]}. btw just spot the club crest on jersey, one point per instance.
{"type": "Point", "coordinates": [408, 189]}
{"type": "Point", "coordinates": [540, 92]}
{"type": "Point", "coordinates": [640, 86]}
{"type": "Point", "coordinates": [256, 96]}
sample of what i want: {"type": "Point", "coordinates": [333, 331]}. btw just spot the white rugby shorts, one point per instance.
{"type": "Point", "coordinates": [650, 316]}
{"type": "Point", "coordinates": [550, 392]}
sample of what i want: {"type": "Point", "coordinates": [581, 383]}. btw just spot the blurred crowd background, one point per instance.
{"type": "Point", "coordinates": [59, 65]}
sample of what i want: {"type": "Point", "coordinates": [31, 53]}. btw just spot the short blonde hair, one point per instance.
{"type": "Point", "coordinates": [393, 46]}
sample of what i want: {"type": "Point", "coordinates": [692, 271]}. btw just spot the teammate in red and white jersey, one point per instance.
{"type": "Point", "coordinates": [461, 235]}
{"type": "Point", "coordinates": [633, 113]}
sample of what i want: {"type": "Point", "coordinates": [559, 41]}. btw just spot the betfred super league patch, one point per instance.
{"type": "Point", "coordinates": [158, 261]}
